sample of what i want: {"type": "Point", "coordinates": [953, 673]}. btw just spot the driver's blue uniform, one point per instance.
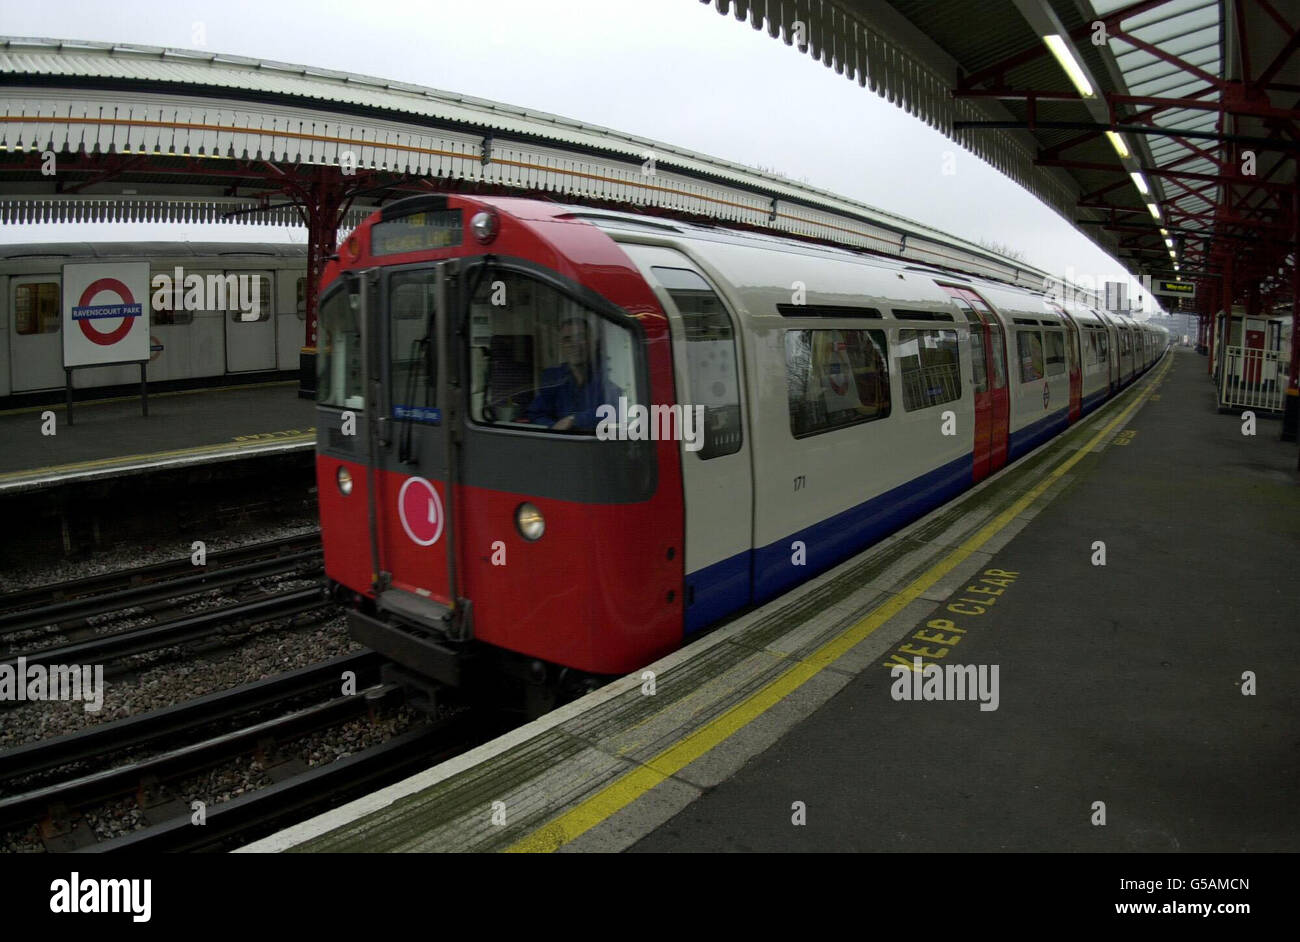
{"type": "Point", "coordinates": [560, 395]}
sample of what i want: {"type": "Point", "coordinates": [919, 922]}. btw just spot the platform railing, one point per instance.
{"type": "Point", "coordinates": [1252, 378]}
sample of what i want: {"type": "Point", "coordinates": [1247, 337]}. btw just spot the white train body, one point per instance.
{"type": "Point", "coordinates": [827, 492]}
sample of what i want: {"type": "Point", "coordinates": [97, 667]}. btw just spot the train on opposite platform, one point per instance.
{"type": "Point", "coordinates": [492, 500]}
{"type": "Point", "coordinates": [213, 340]}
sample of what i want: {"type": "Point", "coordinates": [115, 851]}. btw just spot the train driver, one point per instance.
{"type": "Point", "coordinates": [571, 392]}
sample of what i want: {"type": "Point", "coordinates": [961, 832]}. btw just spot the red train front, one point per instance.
{"type": "Point", "coordinates": [468, 508]}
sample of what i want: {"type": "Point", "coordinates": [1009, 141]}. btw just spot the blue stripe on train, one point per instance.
{"type": "Point", "coordinates": [1091, 402]}
{"type": "Point", "coordinates": [717, 590]}
{"type": "Point", "coordinates": [1034, 434]}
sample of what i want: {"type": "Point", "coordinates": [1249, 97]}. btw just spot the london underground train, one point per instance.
{"type": "Point", "coordinates": [493, 497]}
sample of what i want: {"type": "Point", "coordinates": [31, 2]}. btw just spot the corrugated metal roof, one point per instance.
{"type": "Point", "coordinates": [51, 57]}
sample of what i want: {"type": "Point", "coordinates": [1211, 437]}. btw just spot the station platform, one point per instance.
{"type": "Point", "coordinates": [111, 438]}
{"type": "Point", "coordinates": [1122, 720]}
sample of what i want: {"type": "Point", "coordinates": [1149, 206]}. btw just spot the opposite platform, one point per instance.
{"type": "Point", "coordinates": [112, 438]}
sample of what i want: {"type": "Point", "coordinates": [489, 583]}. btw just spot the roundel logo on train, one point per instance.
{"type": "Point", "coordinates": [420, 509]}
{"type": "Point", "coordinates": [1047, 394]}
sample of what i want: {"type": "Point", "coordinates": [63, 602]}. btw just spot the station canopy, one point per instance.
{"type": "Point", "coordinates": [103, 132]}
{"type": "Point", "coordinates": [1165, 129]}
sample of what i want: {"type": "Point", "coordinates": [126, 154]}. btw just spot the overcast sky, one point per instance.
{"type": "Point", "coordinates": [672, 70]}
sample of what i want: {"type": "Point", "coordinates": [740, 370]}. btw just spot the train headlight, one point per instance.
{"type": "Point", "coordinates": [529, 522]}
{"type": "Point", "coordinates": [484, 225]}
{"type": "Point", "coordinates": [344, 478]}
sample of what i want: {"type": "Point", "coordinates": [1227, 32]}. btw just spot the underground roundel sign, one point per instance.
{"type": "Point", "coordinates": [105, 319]}
{"type": "Point", "coordinates": [420, 509]}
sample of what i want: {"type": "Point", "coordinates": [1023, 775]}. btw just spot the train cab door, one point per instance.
{"type": "Point", "coordinates": [717, 475]}
{"type": "Point", "coordinates": [1073, 363]}
{"type": "Point", "coordinates": [411, 468]}
{"type": "Point", "coordinates": [988, 363]}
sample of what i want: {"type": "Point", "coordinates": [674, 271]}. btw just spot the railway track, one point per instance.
{"type": "Point", "coordinates": [54, 789]}
{"type": "Point", "coordinates": [235, 822]}
{"type": "Point", "coordinates": [228, 619]}
{"type": "Point", "coordinates": [163, 727]}
{"type": "Point", "coordinates": [74, 602]}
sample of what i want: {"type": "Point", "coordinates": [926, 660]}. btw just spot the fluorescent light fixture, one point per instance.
{"type": "Point", "coordinates": [1154, 210]}
{"type": "Point", "coordinates": [1164, 232]}
{"type": "Point", "coordinates": [1140, 182]}
{"type": "Point", "coordinates": [1169, 243]}
{"type": "Point", "coordinates": [1118, 143]}
{"type": "Point", "coordinates": [1070, 64]}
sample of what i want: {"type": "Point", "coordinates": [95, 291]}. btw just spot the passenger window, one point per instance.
{"type": "Point", "coordinates": [300, 305]}
{"type": "Point", "coordinates": [979, 367]}
{"type": "Point", "coordinates": [36, 308]}
{"type": "Point", "coordinates": [1030, 346]}
{"type": "Point", "coordinates": [169, 312]}
{"type": "Point", "coordinates": [928, 368]}
{"type": "Point", "coordinates": [711, 368]}
{"type": "Point", "coordinates": [999, 358]}
{"type": "Point", "coordinates": [241, 289]}
{"type": "Point", "coordinates": [338, 351]}
{"type": "Point", "coordinates": [835, 378]}
{"type": "Point", "coordinates": [542, 361]}
{"type": "Point", "coordinates": [411, 298]}
{"type": "Point", "coordinates": [1055, 352]}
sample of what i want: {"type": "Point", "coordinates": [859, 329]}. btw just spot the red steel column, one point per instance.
{"type": "Point", "coordinates": [322, 208]}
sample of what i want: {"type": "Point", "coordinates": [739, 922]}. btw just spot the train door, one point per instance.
{"type": "Point", "coordinates": [1073, 362]}
{"type": "Point", "coordinates": [250, 321]}
{"type": "Point", "coordinates": [992, 402]}
{"type": "Point", "coordinates": [1112, 352]}
{"type": "Point", "coordinates": [717, 476]}
{"type": "Point", "coordinates": [35, 341]}
{"type": "Point", "coordinates": [410, 478]}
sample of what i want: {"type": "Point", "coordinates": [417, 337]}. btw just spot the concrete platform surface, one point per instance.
{"type": "Point", "coordinates": [1120, 684]}
{"type": "Point", "coordinates": [111, 437]}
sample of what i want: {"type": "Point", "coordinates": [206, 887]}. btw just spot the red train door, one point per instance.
{"type": "Point", "coordinates": [988, 361]}
{"type": "Point", "coordinates": [412, 458]}
{"type": "Point", "coordinates": [1073, 362]}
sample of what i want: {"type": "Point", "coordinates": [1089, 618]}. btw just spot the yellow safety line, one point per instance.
{"type": "Point", "coordinates": [640, 780]}
{"type": "Point", "coordinates": [302, 437]}
{"type": "Point", "coordinates": [153, 395]}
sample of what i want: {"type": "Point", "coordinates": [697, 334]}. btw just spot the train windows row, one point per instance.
{"type": "Point", "coordinates": [36, 307]}
{"type": "Point", "coordinates": [835, 378]}
{"type": "Point", "coordinates": [1042, 353]}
